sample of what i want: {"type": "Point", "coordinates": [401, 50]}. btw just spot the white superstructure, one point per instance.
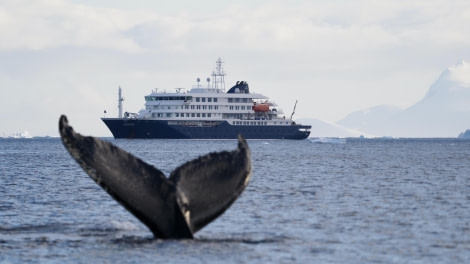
{"type": "Point", "coordinates": [207, 103]}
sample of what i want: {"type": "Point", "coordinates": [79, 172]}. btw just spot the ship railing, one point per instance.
{"type": "Point", "coordinates": [199, 123]}
{"type": "Point", "coordinates": [130, 115]}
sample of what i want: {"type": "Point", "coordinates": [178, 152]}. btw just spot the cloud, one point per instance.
{"type": "Point", "coordinates": [341, 55]}
{"type": "Point", "coordinates": [306, 26]}
{"type": "Point", "coordinates": [45, 24]}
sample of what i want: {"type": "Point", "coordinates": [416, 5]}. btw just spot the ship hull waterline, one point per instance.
{"type": "Point", "coordinates": [134, 128]}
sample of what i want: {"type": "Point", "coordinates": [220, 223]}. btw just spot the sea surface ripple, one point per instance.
{"type": "Point", "coordinates": [324, 201]}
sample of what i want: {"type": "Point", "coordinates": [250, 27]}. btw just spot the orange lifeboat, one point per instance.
{"type": "Point", "coordinates": [264, 107]}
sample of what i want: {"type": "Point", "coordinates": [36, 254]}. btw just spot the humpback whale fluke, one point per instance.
{"type": "Point", "coordinates": [196, 192]}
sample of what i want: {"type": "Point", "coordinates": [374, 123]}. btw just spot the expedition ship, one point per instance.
{"type": "Point", "coordinates": [207, 112]}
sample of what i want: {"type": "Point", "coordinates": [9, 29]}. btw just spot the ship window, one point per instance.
{"type": "Point", "coordinates": [209, 99]}
{"type": "Point", "coordinates": [216, 107]}
{"type": "Point", "coordinates": [203, 99]}
{"type": "Point", "coordinates": [187, 114]}
{"type": "Point", "coordinates": [198, 115]}
{"type": "Point", "coordinates": [197, 99]}
{"type": "Point", "coordinates": [230, 100]}
{"type": "Point", "coordinates": [237, 100]}
{"type": "Point", "coordinates": [193, 114]}
{"type": "Point", "coordinates": [210, 106]}
{"type": "Point", "coordinates": [168, 114]}
{"type": "Point", "coordinates": [215, 100]}
{"type": "Point", "coordinates": [204, 107]}
{"type": "Point", "coordinates": [192, 107]}
{"type": "Point", "coordinates": [198, 107]}
{"type": "Point", "coordinates": [177, 115]}
{"type": "Point", "coordinates": [209, 115]}
{"type": "Point", "coordinates": [186, 107]}
{"type": "Point", "coordinates": [203, 115]}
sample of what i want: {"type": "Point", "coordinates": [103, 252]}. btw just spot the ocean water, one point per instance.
{"type": "Point", "coordinates": [315, 200]}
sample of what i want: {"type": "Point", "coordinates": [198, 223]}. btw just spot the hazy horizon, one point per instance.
{"type": "Point", "coordinates": [69, 57]}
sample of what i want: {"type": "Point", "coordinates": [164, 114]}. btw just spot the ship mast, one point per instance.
{"type": "Point", "coordinates": [120, 99]}
{"type": "Point", "coordinates": [218, 76]}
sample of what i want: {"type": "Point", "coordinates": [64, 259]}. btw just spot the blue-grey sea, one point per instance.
{"type": "Point", "coordinates": [308, 201]}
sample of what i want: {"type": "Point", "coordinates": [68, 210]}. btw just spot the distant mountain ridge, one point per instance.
{"type": "Point", "coordinates": [326, 129]}
{"type": "Point", "coordinates": [443, 112]}
{"type": "Point", "coordinates": [465, 135]}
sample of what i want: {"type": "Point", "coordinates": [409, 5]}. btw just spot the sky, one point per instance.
{"type": "Point", "coordinates": [334, 57]}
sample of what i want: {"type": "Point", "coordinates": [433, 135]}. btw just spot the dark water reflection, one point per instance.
{"type": "Point", "coordinates": [340, 201]}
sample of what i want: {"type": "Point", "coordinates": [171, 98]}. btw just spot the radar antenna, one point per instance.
{"type": "Point", "coordinates": [218, 75]}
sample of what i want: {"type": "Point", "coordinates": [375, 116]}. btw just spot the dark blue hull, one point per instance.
{"type": "Point", "coordinates": [145, 128]}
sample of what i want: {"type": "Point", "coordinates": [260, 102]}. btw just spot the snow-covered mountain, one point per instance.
{"type": "Point", "coordinates": [443, 112]}
{"type": "Point", "coordinates": [325, 129]}
{"type": "Point", "coordinates": [368, 119]}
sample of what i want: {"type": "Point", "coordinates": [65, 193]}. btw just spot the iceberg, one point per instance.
{"type": "Point", "coordinates": [24, 134]}
{"type": "Point", "coordinates": [465, 135]}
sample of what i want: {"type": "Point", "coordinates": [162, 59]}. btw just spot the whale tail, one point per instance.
{"type": "Point", "coordinates": [196, 192]}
